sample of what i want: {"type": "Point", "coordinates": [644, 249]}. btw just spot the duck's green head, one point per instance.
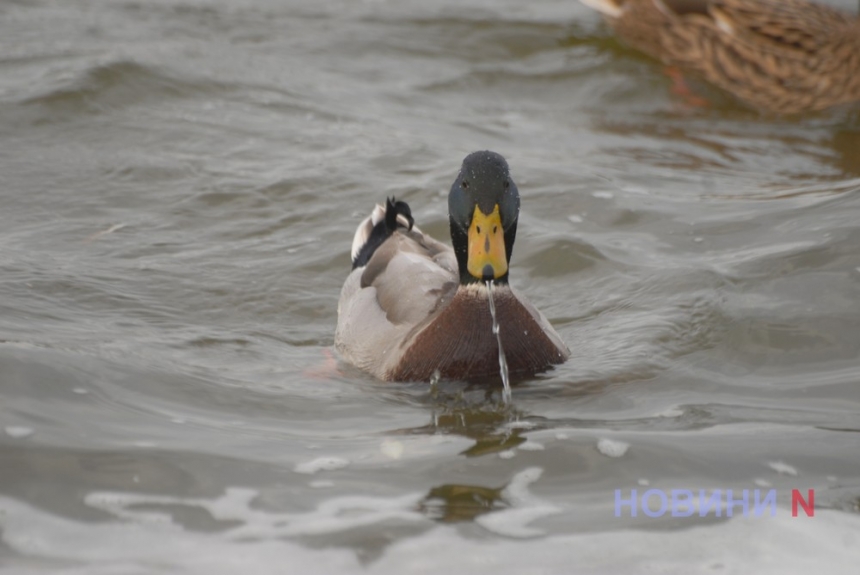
{"type": "Point", "coordinates": [483, 207]}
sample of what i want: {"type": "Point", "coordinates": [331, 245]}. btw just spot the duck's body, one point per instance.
{"type": "Point", "coordinates": [410, 309]}
{"type": "Point", "coordinates": [780, 56]}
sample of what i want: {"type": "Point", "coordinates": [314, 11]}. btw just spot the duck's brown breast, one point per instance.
{"type": "Point", "coordinates": [459, 341]}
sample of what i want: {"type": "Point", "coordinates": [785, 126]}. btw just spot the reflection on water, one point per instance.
{"type": "Point", "coordinates": [846, 144]}
{"type": "Point", "coordinates": [452, 503]}
{"type": "Point", "coordinates": [507, 510]}
{"type": "Point", "coordinates": [478, 413]}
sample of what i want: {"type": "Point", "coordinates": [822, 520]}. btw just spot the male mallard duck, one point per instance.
{"type": "Point", "coordinates": [413, 306]}
{"type": "Point", "coordinates": [782, 56]}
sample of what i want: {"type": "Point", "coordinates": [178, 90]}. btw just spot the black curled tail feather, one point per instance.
{"type": "Point", "coordinates": [383, 230]}
{"type": "Point", "coordinates": [393, 208]}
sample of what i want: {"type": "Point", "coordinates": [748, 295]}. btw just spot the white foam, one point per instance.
{"type": "Point", "coordinates": [144, 548]}
{"type": "Point", "coordinates": [524, 508]}
{"type": "Point", "coordinates": [671, 412]}
{"type": "Point", "coordinates": [612, 447]}
{"type": "Point", "coordinates": [331, 516]}
{"type": "Point", "coordinates": [782, 468]}
{"type": "Point", "coordinates": [321, 464]}
{"type": "Point", "coordinates": [19, 431]}
{"type": "Point", "coordinates": [827, 544]}
{"type": "Point", "coordinates": [392, 449]}
{"type": "Point", "coordinates": [261, 544]}
{"type": "Point", "coordinates": [520, 425]}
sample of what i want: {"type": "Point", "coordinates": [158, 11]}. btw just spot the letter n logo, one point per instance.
{"type": "Point", "coordinates": [807, 504]}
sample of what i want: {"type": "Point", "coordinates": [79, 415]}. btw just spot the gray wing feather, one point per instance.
{"type": "Point", "coordinates": [383, 302]}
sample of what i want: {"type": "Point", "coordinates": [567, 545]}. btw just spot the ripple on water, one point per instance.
{"type": "Point", "coordinates": [701, 264]}
{"type": "Point", "coordinates": [115, 85]}
{"type": "Point", "coordinates": [778, 543]}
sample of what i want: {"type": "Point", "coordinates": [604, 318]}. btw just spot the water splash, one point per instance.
{"type": "Point", "coordinates": [503, 363]}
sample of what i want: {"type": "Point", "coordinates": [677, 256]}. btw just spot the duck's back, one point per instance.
{"type": "Point", "coordinates": [783, 56]}
{"type": "Point", "coordinates": [403, 283]}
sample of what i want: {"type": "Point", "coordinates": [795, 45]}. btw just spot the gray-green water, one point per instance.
{"type": "Point", "coordinates": [179, 186]}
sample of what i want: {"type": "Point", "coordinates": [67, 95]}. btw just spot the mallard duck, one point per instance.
{"type": "Point", "coordinates": [413, 306]}
{"type": "Point", "coordinates": [779, 56]}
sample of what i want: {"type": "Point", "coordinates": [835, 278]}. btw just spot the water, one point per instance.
{"type": "Point", "coordinates": [180, 186]}
{"type": "Point", "coordinates": [503, 363]}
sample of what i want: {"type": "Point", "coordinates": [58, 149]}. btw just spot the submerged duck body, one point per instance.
{"type": "Point", "coordinates": [413, 306]}
{"type": "Point", "coordinates": [779, 56]}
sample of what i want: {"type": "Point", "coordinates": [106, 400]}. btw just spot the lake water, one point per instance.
{"type": "Point", "coordinates": [180, 186]}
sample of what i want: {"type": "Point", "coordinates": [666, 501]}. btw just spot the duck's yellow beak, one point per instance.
{"type": "Point", "coordinates": [487, 245]}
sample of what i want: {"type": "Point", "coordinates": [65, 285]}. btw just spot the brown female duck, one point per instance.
{"type": "Point", "coordinates": [413, 306]}
{"type": "Point", "coordinates": [779, 56]}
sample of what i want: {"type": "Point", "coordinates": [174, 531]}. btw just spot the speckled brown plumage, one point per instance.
{"type": "Point", "coordinates": [779, 56]}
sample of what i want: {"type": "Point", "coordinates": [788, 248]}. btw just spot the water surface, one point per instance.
{"type": "Point", "coordinates": [180, 186]}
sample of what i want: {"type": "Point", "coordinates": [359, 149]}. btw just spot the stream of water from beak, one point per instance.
{"type": "Point", "coordinates": [503, 363]}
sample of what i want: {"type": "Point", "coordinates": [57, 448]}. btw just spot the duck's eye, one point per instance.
{"type": "Point", "coordinates": [507, 185]}
{"type": "Point", "coordinates": [464, 185]}
{"type": "Point", "coordinates": [478, 228]}
{"type": "Point", "coordinates": [495, 229]}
